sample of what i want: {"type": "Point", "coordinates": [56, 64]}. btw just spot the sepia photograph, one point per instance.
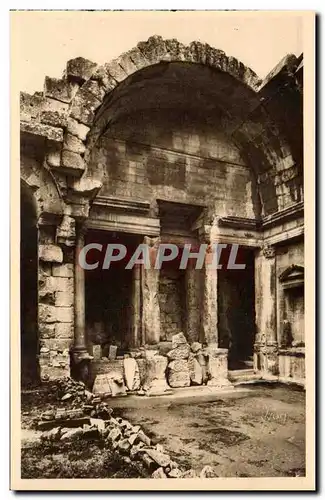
{"type": "Point", "coordinates": [162, 332]}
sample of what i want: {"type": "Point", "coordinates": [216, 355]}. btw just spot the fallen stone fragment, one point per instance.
{"type": "Point", "coordinates": [91, 433]}
{"type": "Point", "coordinates": [175, 473]}
{"type": "Point", "coordinates": [71, 433]}
{"type": "Point", "coordinates": [125, 424]}
{"type": "Point", "coordinates": [131, 374]}
{"type": "Point", "coordinates": [159, 474]}
{"type": "Point", "coordinates": [48, 415]}
{"type": "Point", "coordinates": [114, 434]}
{"type": "Point", "coordinates": [112, 352]}
{"type": "Point", "coordinates": [208, 471]}
{"type": "Point", "coordinates": [136, 449]}
{"type": "Point", "coordinates": [77, 422]}
{"type": "Point", "coordinates": [66, 396]}
{"type": "Point", "coordinates": [144, 438]}
{"type": "Point", "coordinates": [98, 422]}
{"type": "Point", "coordinates": [124, 445]}
{"type": "Point", "coordinates": [155, 379]}
{"type": "Point", "coordinates": [180, 352]}
{"type": "Point", "coordinates": [148, 461]}
{"type": "Point", "coordinates": [195, 369]}
{"type": "Point", "coordinates": [132, 438]}
{"type": "Point", "coordinates": [178, 373]}
{"type": "Point", "coordinates": [161, 459]}
{"type": "Point", "coordinates": [52, 435]}
{"type": "Point", "coordinates": [178, 339]}
{"type": "Point", "coordinates": [196, 346]}
{"type": "Point", "coordinates": [189, 473]}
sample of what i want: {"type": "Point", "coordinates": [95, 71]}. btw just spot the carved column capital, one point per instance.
{"type": "Point", "coordinates": [268, 251]}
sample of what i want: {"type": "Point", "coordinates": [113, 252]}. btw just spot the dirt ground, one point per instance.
{"type": "Point", "coordinates": [253, 432]}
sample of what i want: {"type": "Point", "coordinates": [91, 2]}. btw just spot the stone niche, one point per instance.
{"type": "Point", "coordinates": [292, 332]}
{"type": "Point", "coordinates": [171, 302]}
{"type": "Point", "coordinates": [292, 307]}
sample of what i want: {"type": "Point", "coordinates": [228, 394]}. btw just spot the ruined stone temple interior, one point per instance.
{"type": "Point", "coordinates": [165, 144]}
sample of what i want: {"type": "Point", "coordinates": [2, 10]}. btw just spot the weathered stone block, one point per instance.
{"type": "Point", "coordinates": [57, 88]}
{"type": "Point", "coordinates": [64, 314]}
{"type": "Point", "coordinates": [64, 330]}
{"type": "Point", "coordinates": [53, 118]}
{"type": "Point", "coordinates": [94, 87]}
{"type": "Point", "coordinates": [131, 374]}
{"type": "Point", "coordinates": [64, 299]}
{"type": "Point", "coordinates": [53, 158]}
{"type": "Point", "coordinates": [116, 70]}
{"type": "Point", "coordinates": [178, 339]}
{"type": "Point", "coordinates": [50, 253]}
{"type": "Point", "coordinates": [155, 382]}
{"type": "Point", "coordinates": [63, 271]}
{"type": "Point", "coordinates": [196, 346]}
{"type": "Point", "coordinates": [47, 331]}
{"type": "Point", "coordinates": [217, 366]}
{"type": "Point", "coordinates": [97, 351]}
{"type": "Point", "coordinates": [74, 144]}
{"type": "Point", "coordinates": [63, 284]}
{"type": "Point", "coordinates": [196, 374]}
{"type": "Point", "coordinates": [77, 129]}
{"type": "Point", "coordinates": [30, 105]}
{"type": "Point", "coordinates": [57, 345]}
{"type": "Point", "coordinates": [106, 80]}
{"type": "Point", "coordinates": [80, 69]}
{"type": "Point", "coordinates": [47, 313]}
{"type": "Point", "coordinates": [178, 373]}
{"type": "Point", "coordinates": [73, 163]}
{"type": "Point", "coordinates": [84, 106]}
{"type": "Point", "coordinates": [180, 352]}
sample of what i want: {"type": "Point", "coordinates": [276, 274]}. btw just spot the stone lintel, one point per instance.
{"type": "Point", "coordinates": [42, 130]}
{"type": "Point", "coordinates": [122, 204]}
{"type": "Point", "coordinates": [125, 223]}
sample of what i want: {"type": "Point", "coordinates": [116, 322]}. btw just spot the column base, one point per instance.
{"type": "Point", "coordinates": [266, 359]}
{"type": "Point", "coordinates": [155, 379]}
{"type": "Point", "coordinates": [217, 367]}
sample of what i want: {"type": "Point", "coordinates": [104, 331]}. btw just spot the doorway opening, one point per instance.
{"type": "Point", "coordinates": [109, 293]}
{"type": "Point", "coordinates": [236, 311]}
{"type": "Point", "coordinates": [29, 342]}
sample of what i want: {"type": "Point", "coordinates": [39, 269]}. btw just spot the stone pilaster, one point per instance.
{"type": "Point", "coordinates": [55, 305]}
{"type": "Point", "coordinates": [209, 322]}
{"type": "Point", "coordinates": [150, 296]}
{"type": "Point", "coordinates": [266, 346]}
{"type": "Point", "coordinates": [136, 307]}
{"type": "Point", "coordinates": [193, 308]}
{"type": "Point", "coordinates": [80, 344]}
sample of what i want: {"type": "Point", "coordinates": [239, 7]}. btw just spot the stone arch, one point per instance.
{"type": "Point", "coordinates": [76, 107]}
{"type": "Point", "coordinates": [41, 184]}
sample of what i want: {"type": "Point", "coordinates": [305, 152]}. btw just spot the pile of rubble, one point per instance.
{"type": "Point", "coordinates": [94, 420]}
{"type": "Point", "coordinates": [156, 369]}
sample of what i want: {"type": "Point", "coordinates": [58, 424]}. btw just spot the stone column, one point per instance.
{"type": "Point", "coordinates": [136, 305]}
{"type": "Point", "coordinates": [265, 349]}
{"type": "Point", "coordinates": [150, 296]}
{"type": "Point", "coordinates": [193, 309]}
{"type": "Point", "coordinates": [209, 322]}
{"type": "Point", "coordinates": [80, 345]}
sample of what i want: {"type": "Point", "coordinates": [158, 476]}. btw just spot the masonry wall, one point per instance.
{"type": "Point", "coordinates": [178, 158]}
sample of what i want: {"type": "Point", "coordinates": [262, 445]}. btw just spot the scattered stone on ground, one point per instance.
{"type": "Point", "coordinates": [85, 416]}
